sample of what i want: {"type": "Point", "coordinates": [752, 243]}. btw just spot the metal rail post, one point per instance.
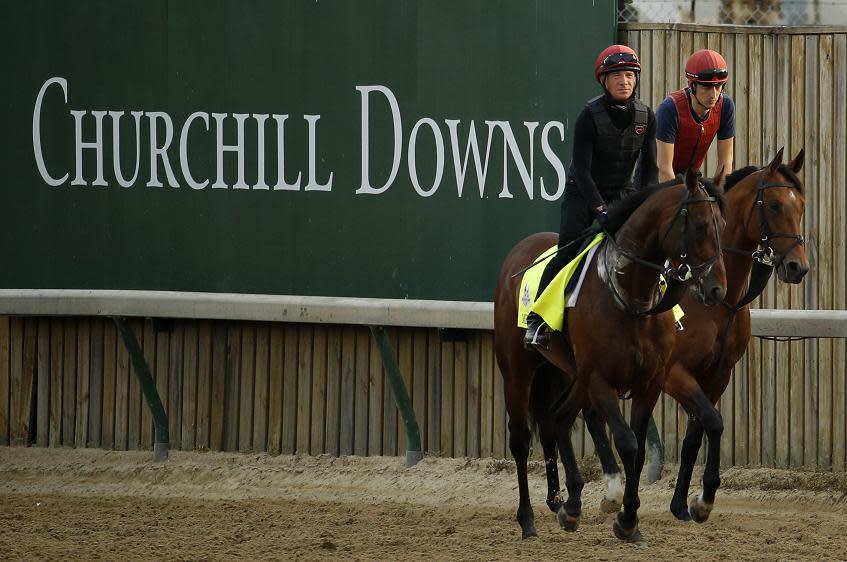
{"type": "Point", "coordinates": [148, 386]}
{"type": "Point", "coordinates": [401, 396]}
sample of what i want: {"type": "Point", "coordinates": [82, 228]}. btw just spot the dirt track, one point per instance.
{"type": "Point", "coordinates": [87, 504]}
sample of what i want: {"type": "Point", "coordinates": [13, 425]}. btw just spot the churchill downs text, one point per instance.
{"type": "Point", "coordinates": [169, 156]}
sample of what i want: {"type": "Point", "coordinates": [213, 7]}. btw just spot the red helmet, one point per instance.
{"type": "Point", "coordinates": [616, 57]}
{"type": "Point", "coordinates": [707, 67]}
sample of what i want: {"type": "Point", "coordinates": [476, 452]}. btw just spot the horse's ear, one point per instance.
{"type": "Point", "coordinates": [797, 164]}
{"type": "Point", "coordinates": [718, 180]}
{"type": "Point", "coordinates": [777, 160]}
{"type": "Point", "coordinates": [691, 180]}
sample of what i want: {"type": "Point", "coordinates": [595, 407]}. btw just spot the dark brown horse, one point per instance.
{"type": "Point", "coordinates": [764, 208]}
{"type": "Point", "coordinates": [611, 346]}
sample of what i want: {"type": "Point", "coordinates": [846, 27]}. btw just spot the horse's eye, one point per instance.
{"type": "Point", "coordinates": [774, 206]}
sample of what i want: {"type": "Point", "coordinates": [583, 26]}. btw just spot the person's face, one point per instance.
{"type": "Point", "coordinates": [620, 84]}
{"type": "Point", "coordinates": [708, 94]}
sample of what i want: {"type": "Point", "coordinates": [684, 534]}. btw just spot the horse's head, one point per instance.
{"type": "Point", "coordinates": [691, 231]}
{"type": "Point", "coordinates": [774, 214]}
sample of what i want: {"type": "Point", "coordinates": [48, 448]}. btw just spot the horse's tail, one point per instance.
{"type": "Point", "coordinates": [549, 387]}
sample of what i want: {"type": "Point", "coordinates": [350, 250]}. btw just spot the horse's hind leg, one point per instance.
{"type": "Point", "coordinates": [547, 436]}
{"type": "Point", "coordinates": [517, 405]}
{"type": "Point", "coordinates": [612, 501]}
{"type": "Point", "coordinates": [570, 511]}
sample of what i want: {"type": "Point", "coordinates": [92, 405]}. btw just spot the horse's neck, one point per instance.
{"type": "Point", "coordinates": [635, 282]}
{"type": "Point", "coordinates": [735, 235]}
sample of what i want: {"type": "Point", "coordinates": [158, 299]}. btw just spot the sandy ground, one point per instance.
{"type": "Point", "coordinates": [91, 504]}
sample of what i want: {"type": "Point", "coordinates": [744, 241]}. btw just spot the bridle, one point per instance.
{"type": "Point", "coordinates": [677, 276]}
{"type": "Point", "coordinates": [765, 257]}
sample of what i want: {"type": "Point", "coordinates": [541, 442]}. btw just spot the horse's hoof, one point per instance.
{"type": "Point", "coordinates": [700, 510]}
{"type": "Point", "coordinates": [610, 505]}
{"type": "Point", "coordinates": [624, 534]}
{"type": "Point", "coordinates": [680, 510]}
{"type": "Point", "coordinates": [555, 505]}
{"type": "Point", "coordinates": [568, 522]}
{"type": "Point", "coordinates": [529, 532]}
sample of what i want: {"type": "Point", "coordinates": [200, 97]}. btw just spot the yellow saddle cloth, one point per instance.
{"type": "Point", "coordinates": [551, 303]}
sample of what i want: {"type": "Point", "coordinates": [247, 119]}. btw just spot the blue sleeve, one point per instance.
{"type": "Point", "coordinates": [727, 126]}
{"type": "Point", "coordinates": [667, 122]}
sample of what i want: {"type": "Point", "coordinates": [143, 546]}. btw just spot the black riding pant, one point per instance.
{"type": "Point", "coordinates": [576, 217]}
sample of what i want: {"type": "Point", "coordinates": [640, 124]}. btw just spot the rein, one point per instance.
{"type": "Point", "coordinates": [678, 276]}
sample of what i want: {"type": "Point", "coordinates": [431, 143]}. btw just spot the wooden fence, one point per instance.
{"type": "Point", "coordinates": [786, 403]}
{"type": "Point", "coordinates": [286, 388]}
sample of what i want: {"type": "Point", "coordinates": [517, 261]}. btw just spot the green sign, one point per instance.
{"type": "Point", "coordinates": [381, 148]}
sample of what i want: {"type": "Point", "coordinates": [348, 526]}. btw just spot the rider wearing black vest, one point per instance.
{"type": "Point", "coordinates": [610, 134]}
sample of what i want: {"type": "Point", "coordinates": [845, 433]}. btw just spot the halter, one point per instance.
{"type": "Point", "coordinates": [677, 276]}
{"type": "Point", "coordinates": [765, 257]}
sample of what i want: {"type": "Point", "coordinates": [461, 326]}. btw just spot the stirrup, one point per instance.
{"type": "Point", "coordinates": [536, 336]}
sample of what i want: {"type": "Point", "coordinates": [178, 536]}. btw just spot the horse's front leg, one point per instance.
{"type": "Point", "coordinates": [570, 512]}
{"type": "Point", "coordinates": [547, 434]}
{"type": "Point", "coordinates": [613, 499]}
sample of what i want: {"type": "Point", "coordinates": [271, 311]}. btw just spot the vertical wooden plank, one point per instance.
{"type": "Point", "coordinates": [447, 392]}
{"type": "Point", "coordinates": [110, 363]}
{"type": "Point", "coordinates": [404, 361]}
{"type": "Point", "coordinates": [375, 399]}
{"type": "Point", "coordinates": [276, 370]}
{"type": "Point", "coordinates": [42, 438]}
{"type": "Point", "coordinates": [23, 378]}
{"type": "Point", "coordinates": [355, 365]}
{"type": "Point", "coordinates": [820, 419]}
{"type": "Point", "coordinates": [419, 372]}
{"type": "Point", "coordinates": [5, 373]}
{"type": "Point", "coordinates": [473, 409]}
{"type": "Point", "coordinates": [389, 407]}
{"type": "Point", "coordinates": [247, 377]}
{"type": "Point", "coordinates": [95, 404]}
{"type": "Point", "coordinates": [260, 405]}
{"type": "Point", "coordinates": [839, 263]}
{"type": "Point", "coordinates": [69, 381]}
{"type": "Point", "coordinates": [160, 369]}
{"type": "Point", "coordinates": [349, 393]}
{"type": "Point", "coordinates": [433, 393]}
{"type": "Point", "coordinates": [335, 424]}
{"type": "Point", "coordinates": [318, 413]}
{"type": "Point", "coordinates": [658, 69]}
{"type": "Point", "coordinates": [220, 368]}
{"type": "Point", "coordinates": [501, 436]}
{"type": "Point", "coordinates": [122, 375]}
{"type": "Point", "coordinates": [83, 362]}
{"type": "Point", "coordinates": [149, 347]}
{"type": "Point", "coordinates": [204, 384]}
{"type": "Point", "coordinates": [304, 388]}
{"type": "Point", "coordinates": [645, 51]}
{"type": "Point", "coordinates": [233, 385]}
{"type": "Point", "coordinates": [15, 383]}
{"type": "Point", "coordinates": [486, 395]}
{"type": "Point", "coordinates": [189, 386]}
{"type": "Point", "coordinates": [134, 398]}
{"type": "Point", "coordinates": [175, 372]}
{"type": "Point", "coordinates": [290, 391]}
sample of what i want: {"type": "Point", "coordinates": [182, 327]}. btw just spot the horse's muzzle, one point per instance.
{"type": "Point", "coordinates": [792, 271]}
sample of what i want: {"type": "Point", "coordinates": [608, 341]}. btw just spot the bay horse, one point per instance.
{"type": "Point", "coordinates": [764, 208]}
{"type": "Point", "coordinates": [610, 346]}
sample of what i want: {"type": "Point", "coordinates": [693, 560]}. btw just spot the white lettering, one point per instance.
{"type": "Point", "coordinates": [439, 157]}
{"type": "Point", "coordinates": [36, 131]}
{"type": "Point", "coordinates": [116, 146]}
{"type": "Point", "coordinates": [510, 146]}
{"type": "Point", "coordinates": [260, 157]}
{"type": "Point", "coordinates": [238, 148]}
{"type": "Point", "coordinates": [183, 149]}
{"type": "Point", "coordinates": [97, 145]}
{"type": "Point", "coordinates": [313, 184]}
{"type": "Point", "coordinates": [366, 187]}
{"type": "Point", "coordinates": [554, 160]}
{"type": "Point", "coordinates": [461, 167]}
{"type": "Point", "coordinates": [157, 152]}
{"type": "Point", "coordinates": [281, 183]}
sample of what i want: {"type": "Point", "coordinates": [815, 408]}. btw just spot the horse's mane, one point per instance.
{"type": "Point", "coordinates": [739, 175]}
{"type": "Point", "coordinates": [622, 209]}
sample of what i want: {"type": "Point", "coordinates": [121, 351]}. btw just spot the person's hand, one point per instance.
{"type": "Point", "coordinates": [601, 213]}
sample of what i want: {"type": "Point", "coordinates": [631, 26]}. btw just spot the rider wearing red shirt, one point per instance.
{"type": "Point", "coordinates": [689, 119]}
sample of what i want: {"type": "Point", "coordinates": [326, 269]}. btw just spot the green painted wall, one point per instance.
{"type": "Point", "coordinates": [444, 64]}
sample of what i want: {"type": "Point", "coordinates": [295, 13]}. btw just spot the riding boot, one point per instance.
{"type": "Point", "coordinates": [536, 332]}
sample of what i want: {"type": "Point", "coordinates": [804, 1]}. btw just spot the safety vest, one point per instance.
{"type": "Point", "coordinates": [615, 150]}
{"type": "Point", "coordinates": [692, 138]}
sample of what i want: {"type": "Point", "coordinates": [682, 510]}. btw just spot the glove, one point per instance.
{"type": "Point", "coordinates": [602, 215]}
